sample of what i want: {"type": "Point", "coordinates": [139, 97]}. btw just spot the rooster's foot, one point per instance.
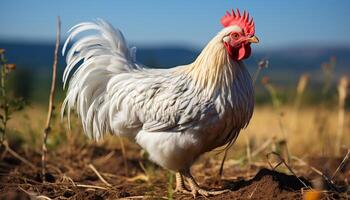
{"type": "Point", "coordinates": [180, 185]}
{"type": "Point", "coordinates": [195, 189]}
{"type": "Point", "coordinates": [206, 193]}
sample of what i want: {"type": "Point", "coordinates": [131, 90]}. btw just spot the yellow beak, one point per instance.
{"type": "Point", "coordinates": [253, 39]}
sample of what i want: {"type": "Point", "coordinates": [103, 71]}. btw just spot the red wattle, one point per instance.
{"type": "Point", "coordinates": [241, 52]}
{"type": "Point", "coordinates": [248, 51]}
{"type": "Point", "coordinates": [238, 54]}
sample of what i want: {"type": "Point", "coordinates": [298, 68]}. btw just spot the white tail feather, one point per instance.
{"type": "Point", "coordinates": [97, 58]}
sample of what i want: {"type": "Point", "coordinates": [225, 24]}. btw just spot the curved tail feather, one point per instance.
{"type": "Point", "coordinates": [96, 57]}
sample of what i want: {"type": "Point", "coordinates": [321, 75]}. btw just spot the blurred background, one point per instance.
{"type": "Point", "coordinates": [306, 43]}
{"type": "Point", "coordinates": [296, 36]}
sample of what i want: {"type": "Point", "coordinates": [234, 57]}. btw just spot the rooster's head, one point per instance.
{"type": "Point", "coordinates": [239, 34]}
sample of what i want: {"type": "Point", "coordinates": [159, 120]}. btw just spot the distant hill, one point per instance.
{"type": "Point", "coordinates": [285, 63]}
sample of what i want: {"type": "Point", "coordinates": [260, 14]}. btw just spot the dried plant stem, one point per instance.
{"type": "Point", "coordinates": [99, 175]}
{"type": "Point", "coordinates": [51, 99]}
{"type": "Point", "coordinates": [342, 93]}
{"type": "Point", "coordinates": [33, 195]}
{"type": "Point", "coordinates": [303, 81]}
{"type": "Point", "coordinates": [4, 103]}
{"type": "Point", "coordinates": [252, 155]}
{"type": "Point", "coordinates": [5, 114]}
{"type": "Point", "coordinates": [330, 182]}
{"type": "Point", "coordinates": [261, 148]}
{"type": "Point", "coordinates": [341, 165]}
{"type": "Point", "coordinates": [105, 158]}
{"type": "Point", "coordinates": [328, 71]}
{"type": "Point", "coordinates": [256, 75]}
{"type": "Point", "coordinates": [91, 186]}
{"type": "Point", "coordinates": [264, 63]}
{"type": "Point", "coordinates": [249, 155]}
{"type": "Point", "coordinates": [16, 155]}
{"type": "Point", "coordinates": [288, 167]}
{"type": "Point", "coordinates": [311, 167]}
{"type": "Point", "coordinates": [276, 102]}
{"type": "Point", "coordinates": [124, 155]}
{"type": "Point", "coordinates": [132, 197]}
{"type": "Point", "coordinates": [284, 133]}
{"type": "Point", "coordinates": [140, 197]}
{"type": "Point", "coordinates": [221, 169]}
{"type": "Point", "coordinates": [251, 195]}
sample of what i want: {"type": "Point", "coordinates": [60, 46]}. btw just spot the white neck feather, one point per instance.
{"type": "Point", "coordinates": [213, 69]}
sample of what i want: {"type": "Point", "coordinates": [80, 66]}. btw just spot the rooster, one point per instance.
{"type": "Point", "coordinates": [175, 114]}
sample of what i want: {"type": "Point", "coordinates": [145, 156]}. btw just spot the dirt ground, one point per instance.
{"type": "Point", "coordinates": [70, 175]}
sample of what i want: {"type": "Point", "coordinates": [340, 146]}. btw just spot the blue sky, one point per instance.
{"type": "Point", "coordinates": [183, 22]}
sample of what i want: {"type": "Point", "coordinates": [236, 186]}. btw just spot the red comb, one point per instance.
{"type": "Point", "coordinates": [242, 21]}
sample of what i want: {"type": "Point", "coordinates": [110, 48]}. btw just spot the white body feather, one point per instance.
{"type": "Point", "coordinates": [169, 112]}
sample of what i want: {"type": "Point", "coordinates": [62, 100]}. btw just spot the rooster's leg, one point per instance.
{"type": "Point", "coordinates": [196, 189]}
{"type": "Point", "coordinates": [180, 184]}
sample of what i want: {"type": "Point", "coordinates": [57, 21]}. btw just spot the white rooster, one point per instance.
{"type": "Point", "coordinates": [175, 114]}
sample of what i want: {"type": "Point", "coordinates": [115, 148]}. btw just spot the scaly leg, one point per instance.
{"type": "Point", "coordinates": [180, 184]}
{"type": "Point", "coordinates": [195, 189]}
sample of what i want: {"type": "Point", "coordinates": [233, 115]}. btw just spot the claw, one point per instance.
{"type": "Point", "coordinates": [182, 190]}
{"type": "Point", "coordinates": [208, 193]}
{"type": "Point", "coordinates": [195, 189]}
{"type": "Point", "coordinates": [180, 185]}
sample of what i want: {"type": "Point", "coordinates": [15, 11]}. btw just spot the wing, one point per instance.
{"type": "Point", "coordinates": [172, 104]}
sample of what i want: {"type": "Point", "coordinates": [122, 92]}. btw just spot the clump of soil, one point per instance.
{"type": "Point", "coordinates": [70, 177]}
{"type": "Point", "coordinates": [267, 184]}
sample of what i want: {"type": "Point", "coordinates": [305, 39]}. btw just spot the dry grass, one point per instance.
{"type": "Point", "coordinates": [74, 161]}
{"type": "Point", "coordinates": [303, 137]}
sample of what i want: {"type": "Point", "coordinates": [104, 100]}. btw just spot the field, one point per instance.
{"type": "Point", "coordinates": [289, 151]}
{"type": "Point", "coordinates": [296, 147]}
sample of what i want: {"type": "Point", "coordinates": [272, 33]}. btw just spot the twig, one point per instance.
{"type": "Point", "coordinates": [285, 163]}
{"type": "Point", "coordinates": [261, 65]}
{"type": "Point", "coordinates": [51, 100]}
{"type": "Point", "coordinates": [112, 175]}
{"type": "Point", "coordinates": [342, 93]}
{"type": "Point", "coordinates": [124, 155]}
{"type": "Point", "coordinates": [251, 195]}
{"type": "Point", "coordinates": [139, 197]}
{"type": "Point", "coordinates": [330, 182]}
{"type": "Point", "coordinates": [91, 186]}
{"type": "Point", "coordinates": [303, 81]}
{"type": "Point", "coordinates": [99, 175]}
{"type": "Point", "coordinates": [311, 167]}
{"type": "Point", "coordinates": [252, 155]}
{"type": "Point", "coordinates": [142, 177]}
{"type": "Point", "coordinates": [4, 103]}
{"type": "Point", "coordinates": [104, 159]}
{"type": "Point", "coordinates": [132, 197]}
{"type": "Point", "coordinates": [284, 133]}
{"type": "Point", "coordinates": [221, 170]}
{"type": "Point", "coordinates": [69, 179]}
{"type": "Point", "coordinates": [262, 148]}
{"type": "Point", "coordinates": [143, 168]}
{"type": "Point", "coordinates": [341, 165]}
{"type": "Point", "coordinates": [33, 195]}
{"type": "Point", "coordinates": [3, 154]}
{"type": "Point", "coordinates": [256, 74]}
{"type": "Point", "coordinates": [249, 157]}
{"type": "Point", "coordinates": [16, 155]}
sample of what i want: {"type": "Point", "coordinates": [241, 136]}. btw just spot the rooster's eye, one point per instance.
{"type": "Point", "coordinates": [235, 35]}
